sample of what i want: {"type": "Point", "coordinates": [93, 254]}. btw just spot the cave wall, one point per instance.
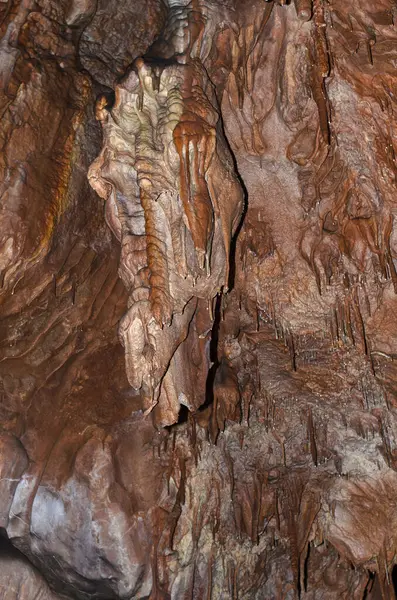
{"type": "Point", "coordinates": [198, 283]}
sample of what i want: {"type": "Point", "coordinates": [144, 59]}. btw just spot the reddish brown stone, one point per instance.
{"type": "Point", "coordinates": [268, 467]}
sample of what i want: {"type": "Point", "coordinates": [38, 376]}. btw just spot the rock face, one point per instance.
{"type": "Point", "coordinates": [198, 258]}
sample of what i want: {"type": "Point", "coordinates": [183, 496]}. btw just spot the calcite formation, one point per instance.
{"type": "Point", "coordinates": [198, 282]}
{"type": "Point", "coordinates": [174, 202]}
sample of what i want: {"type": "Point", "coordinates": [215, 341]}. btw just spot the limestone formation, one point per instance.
{"type": "Point", "coordinates": [198, 283]}
{"type": "Point", "coordinates": [174, 202]}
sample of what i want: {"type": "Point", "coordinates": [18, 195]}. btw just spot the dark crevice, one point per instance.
{"type": "Point", "coordinates": [394, 579]}
{"type": "Point", "coordinates": [233, 244]}
{"type": "Point", "coordinates": [109, 95]}
{"type": "Point", "coordinates": [306, 569]}
{"type": "Point", "coordinates": [183, 415]}
{"type": "Point", "coordinates": [209, 388]}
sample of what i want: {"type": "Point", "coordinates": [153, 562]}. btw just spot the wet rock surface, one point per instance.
{"type": "Point", "coordinates": [252, 452]}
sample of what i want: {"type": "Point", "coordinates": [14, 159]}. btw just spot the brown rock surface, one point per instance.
{"type": "Point", "coordinates": [170, 429]}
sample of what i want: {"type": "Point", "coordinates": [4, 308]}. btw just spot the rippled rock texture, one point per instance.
{"type": "Point", "coordinates": [198, 253]}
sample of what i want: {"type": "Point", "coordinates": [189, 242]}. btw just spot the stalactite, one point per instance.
{"type": "Point", "coordinates": [320, 69]}
{"type": "Point", "coordinates": [198, 518]}
{"type": "Point", "coordinates": [216, 520]}
{"type": "Point", "coordinates": [247, 397]}
{"type": "Point", "coordinates": [291, 348]}
{"type": "Point", "coordinates": [293, 542]}
{"type": "Point", "coordinates": [241, 436]}
{"type": "Point", "coordinates": [320, 37]}
{"type": "Point", "coordinates": [179, 502]}
{"type": "Point", "coordinates": [256, 508]}
{"type": "Point", "coordinates": [209, 577]}
{"type": "Point", "coordinates": [281, 441]}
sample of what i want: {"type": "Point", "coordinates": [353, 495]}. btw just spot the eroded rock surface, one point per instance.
{"type": "Point", "coordinates": [198, 288]}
